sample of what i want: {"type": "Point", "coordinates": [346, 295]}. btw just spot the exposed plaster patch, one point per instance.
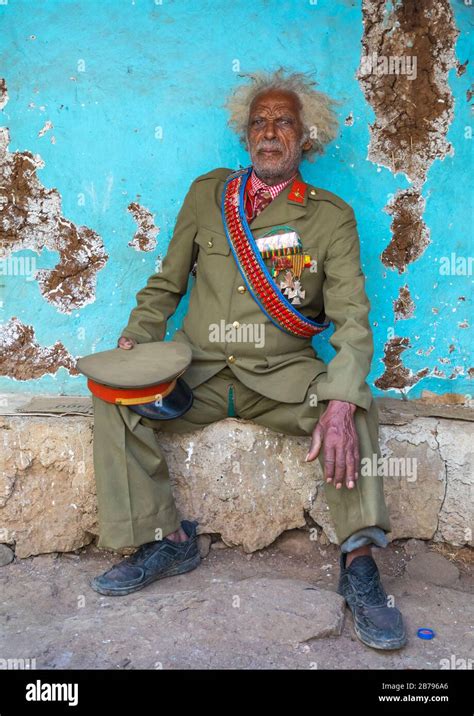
{"type": "Point", "coordinates": [3, 93]}
{"type": "Point", "coordinates": [431, 398]}
{"type": "Point", "coordinates": [22, 358]}
{"type": "Point", "coordinates": [404, 306]}
{"type": "Point", "coordinates": [396, 375]}
{"type": "Point", "coordinates": [144, 238]}
{"type": "Point", "coordinates": [48, 125]}
{"type": "Point", "coordinates": [457, 370]}
{"type": "Point", "coordinates": [410, 236]}
{"type": "Point", "coordinates": [30, 218]}
{"type": "Point", "coordinates": [413, 106]}
{"type": "Point", "coordinates": [461, 68]}
{"type": "Point", "coordinates": [412, 110]}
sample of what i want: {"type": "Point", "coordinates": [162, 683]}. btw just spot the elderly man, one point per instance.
{"type": "Point", "coordinates": [269, 251]}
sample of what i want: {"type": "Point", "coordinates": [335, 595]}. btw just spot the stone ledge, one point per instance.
{"type": "Point", "coordinates": [47, 486]}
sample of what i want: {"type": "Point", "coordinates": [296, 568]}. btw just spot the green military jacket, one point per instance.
{"type": "Point", "coordinates": [285, 365]}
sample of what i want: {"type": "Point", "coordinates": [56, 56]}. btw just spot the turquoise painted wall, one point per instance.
{"type": "Point", "coordinates": [149, 64]}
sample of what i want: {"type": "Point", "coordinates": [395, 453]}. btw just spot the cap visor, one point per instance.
{"type": "Point", "coordinates": [173, 406]}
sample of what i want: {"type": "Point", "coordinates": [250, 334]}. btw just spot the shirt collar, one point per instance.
{"type": "Point", "coordinates": [255, 183]}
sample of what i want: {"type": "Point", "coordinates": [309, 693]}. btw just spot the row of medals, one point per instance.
{"type": "Point", "coordinates": [290, 262]}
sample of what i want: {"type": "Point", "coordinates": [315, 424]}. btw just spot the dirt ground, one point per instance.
{"type": "Point", "coordinates": [275, 609]}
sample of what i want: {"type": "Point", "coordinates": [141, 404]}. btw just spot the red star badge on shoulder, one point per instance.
{"type": "Point", "coordinates": [298, 191]}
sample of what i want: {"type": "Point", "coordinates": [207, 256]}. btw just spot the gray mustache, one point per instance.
{"type": "Point", "coordinates": [270, 147]}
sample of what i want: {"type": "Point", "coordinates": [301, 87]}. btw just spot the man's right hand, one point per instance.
{"type": "Point", "coordinates": [126, 343]}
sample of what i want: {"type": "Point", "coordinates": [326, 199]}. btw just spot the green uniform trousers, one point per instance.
{"type": "Point", "coordinates": [135, 500]}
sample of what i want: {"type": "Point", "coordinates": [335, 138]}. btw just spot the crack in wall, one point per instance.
{"type": "Point", "coordinates": [445, 463]}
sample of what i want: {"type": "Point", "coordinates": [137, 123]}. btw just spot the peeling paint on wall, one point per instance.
{"type": "Point", "coordinates": [48, 125]}
{"type": "Point", "coordinates": [3, 93]}
{"type": "Point", "coordinates": [24, 359]}
{"type": "Point", "coordinates": [31, 218]}
{"type": "Point", "coordinates": [113, 128]}
{"type": "Point", "coordinates": [410, 236]}
{"type": "Point", "coordinates": [408, 50]}
{"type": "Point", "coordinates": [144, 238]}
{"type": "Point", "coordinates": [413, 109]}
{"type": "Point", "coordinates": [396, 375]}
{"type": "Point", "coordinates": [404, 306]}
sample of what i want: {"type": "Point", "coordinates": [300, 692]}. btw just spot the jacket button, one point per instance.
{"type": "Point", "coordinates": [236, 324]}
{"type": "Point", "coordinates": [231, 359]}
{"type": "Point", "coordinates": [241, 289]}
{"type": "Point", "coordinates": [209, 243]}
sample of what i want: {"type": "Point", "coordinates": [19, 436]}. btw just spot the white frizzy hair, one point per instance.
{"type": "Point", "coordinates": [320, 122]}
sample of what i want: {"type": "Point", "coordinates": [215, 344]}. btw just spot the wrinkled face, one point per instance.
{"type": "Point", "coordinates": [275, 135]}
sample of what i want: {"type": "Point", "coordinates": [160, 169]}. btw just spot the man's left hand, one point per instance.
{"type": "Point", "coordinates": [336, 432]}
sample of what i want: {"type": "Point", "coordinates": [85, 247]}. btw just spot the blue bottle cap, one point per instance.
{"type": "Point", "coordinates": [425, 633]}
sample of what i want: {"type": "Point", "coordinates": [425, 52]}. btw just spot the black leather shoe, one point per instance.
{"type": "Point", "coordinates": [375, 623]}
{"type": "Point", "coordinates": [152, 560]}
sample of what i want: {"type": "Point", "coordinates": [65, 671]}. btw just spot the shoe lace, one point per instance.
{"type": "Point", "coordinates": [143, 552]}
{"type": "Point", "coordinates": [370, 591]}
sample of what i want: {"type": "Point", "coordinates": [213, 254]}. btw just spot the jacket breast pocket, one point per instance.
{"type": "Point", "coordinates": [212, 242]}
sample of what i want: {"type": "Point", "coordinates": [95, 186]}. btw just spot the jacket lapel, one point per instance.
{"type": "Point", "coordinates": [281, 210]}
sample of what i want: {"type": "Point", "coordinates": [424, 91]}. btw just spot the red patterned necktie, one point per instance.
{"type": "Point", "coordinates": [261, 200]}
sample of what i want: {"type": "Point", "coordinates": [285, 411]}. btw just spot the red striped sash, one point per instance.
{"type": "Point", "coordinates": [259, 282]}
